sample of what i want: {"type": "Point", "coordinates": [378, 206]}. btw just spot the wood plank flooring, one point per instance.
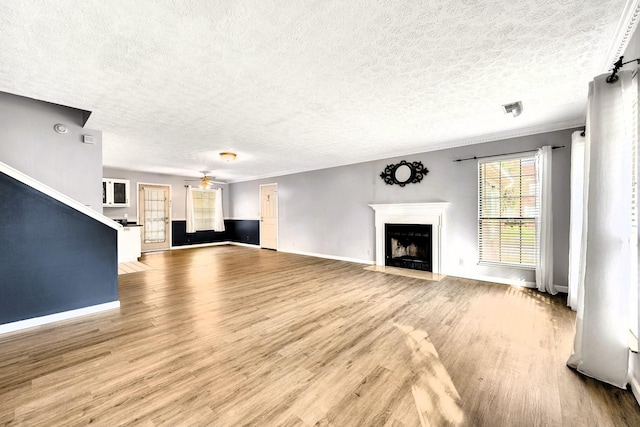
{"type": "Point", "coordinates": [230, 336]}
{"type": "Point", "coordinates": [132, 267]}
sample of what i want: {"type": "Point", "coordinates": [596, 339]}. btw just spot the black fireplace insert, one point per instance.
{"type": "Point", "coordinates": [409, 246]}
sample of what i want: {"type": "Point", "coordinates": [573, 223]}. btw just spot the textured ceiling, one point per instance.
{"type": "Point", "coordinates": [295, 85]}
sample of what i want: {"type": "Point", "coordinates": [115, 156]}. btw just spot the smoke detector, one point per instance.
{"type": "Point", "coordinates": [60, 128]}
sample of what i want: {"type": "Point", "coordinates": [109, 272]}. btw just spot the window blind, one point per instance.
{"type": "Point", "coordinates": [508, 212]}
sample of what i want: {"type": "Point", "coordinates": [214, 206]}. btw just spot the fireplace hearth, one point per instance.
{"type": "Point", "coordinates": [409, 246]}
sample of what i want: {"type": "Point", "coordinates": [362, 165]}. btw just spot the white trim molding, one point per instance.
{"type": "Point", "coordinates": [334, 257]}
{"type": "Point", "coordinates": [62, 198]}
{"type": "Point", "coordinates": [204, 245]}
{"type": "Point", "coordinates": [624, 31]}
{"type": "Point", "coordinates": [633, 380]}
{"type": "Point", "coordinates": [635, 388]}
{"type": "Point", "coordinates": [56, 317]}
{"type": "Point", "coordinates": [518, 283]}
{"type": "Point", "coordinates": [411, 213]}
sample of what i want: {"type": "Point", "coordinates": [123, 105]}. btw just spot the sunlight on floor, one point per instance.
{"type": "Point", "coordinates": [436, 398]}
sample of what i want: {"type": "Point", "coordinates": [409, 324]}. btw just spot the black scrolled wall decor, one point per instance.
{"type": "Point", "coordinates": [404, 173]}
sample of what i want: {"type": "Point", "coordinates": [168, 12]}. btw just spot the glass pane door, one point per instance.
{"type": "Point", "coordinates": [154, 218]}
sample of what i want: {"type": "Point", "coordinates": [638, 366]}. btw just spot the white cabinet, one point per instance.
{"type": "Point", "coordinates": [129, 245]}
{"type": "Point", "coordinates": [115, 192]}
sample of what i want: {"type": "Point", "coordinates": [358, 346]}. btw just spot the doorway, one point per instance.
{"type": "Point", "coordinates": [269, 216]}
{"type": "Point", "coordinates": [153, 215]}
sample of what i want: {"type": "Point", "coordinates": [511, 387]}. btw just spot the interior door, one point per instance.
{"type": "Point", "coordinates": [153, 214]}
{"type": "Point", "coordinates": [269, 216]}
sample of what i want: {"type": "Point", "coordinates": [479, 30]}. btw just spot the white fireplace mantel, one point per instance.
{"type": "Point", "coordinates": [411, 213]}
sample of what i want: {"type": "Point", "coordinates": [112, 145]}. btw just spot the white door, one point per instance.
{"type": "Point", "coordinates": [269, 216]}
{"type": "Point", "coordinates": [153, 214]}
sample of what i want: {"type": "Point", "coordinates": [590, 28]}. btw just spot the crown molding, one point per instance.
{"type": "Point", "coordinates": [624, 31]}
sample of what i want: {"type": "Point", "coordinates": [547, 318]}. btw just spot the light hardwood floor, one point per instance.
{"type": "Point", "coordinates": [239, 336]}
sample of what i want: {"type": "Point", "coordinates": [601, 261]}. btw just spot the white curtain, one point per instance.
{"type": "Point", "coordinates": [575, 225]}
{"type": "Point", "coordinates": [218, 221]}
{"type": "Point", "coordinates": [544, 229]}
{"type": "Point", "coordinates": [191, 216]}
{"type": "Point", "coordinates": [600, 346]}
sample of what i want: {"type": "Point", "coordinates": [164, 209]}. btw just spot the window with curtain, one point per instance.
{"type": "Point", "coordinates": [204, 210]}
{"type": "Point", "coordinates": [507, 212]}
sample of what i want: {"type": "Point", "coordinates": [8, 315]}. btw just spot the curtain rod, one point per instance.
{"type": "Point", "coordinates": [503, 154]}
{"type": "Point", "coordinates": [616, 67]}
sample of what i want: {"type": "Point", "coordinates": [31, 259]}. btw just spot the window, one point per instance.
{"type": "Point", "coordinates": [204, 209]}
{"type": "Point", "coordinates": [507, 212]}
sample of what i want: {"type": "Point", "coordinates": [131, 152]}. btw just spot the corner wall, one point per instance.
{"type": "Point", "coordinates": [326, 211]}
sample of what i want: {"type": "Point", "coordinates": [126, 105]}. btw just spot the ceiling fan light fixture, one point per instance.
{"type": "Point", "coordinates": [228, 156]}
{"type": "Point", "coordinates": [204, 182]}
{"type": "Point", "coordinates": [514, 108]}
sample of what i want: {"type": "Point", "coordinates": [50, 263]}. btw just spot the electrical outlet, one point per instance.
{"type": "Point", "coordinates": [461, 261]}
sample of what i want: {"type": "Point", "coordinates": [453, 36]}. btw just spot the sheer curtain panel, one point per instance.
{"type": "Point", "coordinates": [190, 212]}
{"type": "Point", "coordinates": [601, 348]}
{"type": "Point", "coordinates": [218, 221]}
{"type": "Point", "coordinates": [575, 225]}
{"type": "Point", "coordinates": [544, 229]}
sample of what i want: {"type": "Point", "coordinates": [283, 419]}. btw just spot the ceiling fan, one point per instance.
{"type": "Point", "coordinates": [206, 180]}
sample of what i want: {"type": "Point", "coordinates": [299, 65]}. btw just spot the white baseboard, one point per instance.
{"type": "Point", "coordinates": [204, 245]}
{"type": "Point", "coordinates": [200, 245]}
{"type": "Point", "coordinates": [246, 245]}
{"type": "Point", "coordinates": [635, 388]}
{"type": "Point", "coordinates": [337, 258]}
{"type": "Point", "coordinates": [56, 317]}
{"type": "Point", "coordinates": [501, 280]}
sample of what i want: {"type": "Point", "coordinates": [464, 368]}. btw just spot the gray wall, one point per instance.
{"type": "Point", "coordinates": [178, 192]}
{"type": "Point", "coordinates": [61, 161]}
{"type": "Point", "coordinates": [326, 211]}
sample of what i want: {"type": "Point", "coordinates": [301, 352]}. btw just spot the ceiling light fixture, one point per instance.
{"type": "Point", "coordinates": [228, 156]}
{"type": "Point", "coordinates": [514, 108]}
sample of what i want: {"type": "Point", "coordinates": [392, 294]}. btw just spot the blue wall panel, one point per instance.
{"type": "Point", "coordinates": [52, 257]}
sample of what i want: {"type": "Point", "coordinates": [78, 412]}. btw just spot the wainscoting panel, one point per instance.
{"type": "Point", "coordinates": [236, 230]}
{"type": "Point", "coordinates": [243, 230]}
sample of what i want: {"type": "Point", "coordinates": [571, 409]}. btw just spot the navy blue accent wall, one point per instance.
{"type": "Point", "coordinates": [180, 237]}
{"type": "Point", "coordinates": [243, 231]}
{"type": "Point", "coordinates": [52, 257]}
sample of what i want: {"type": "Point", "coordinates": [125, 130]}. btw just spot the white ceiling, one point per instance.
{"type": "Point", "coordinates": [292, 85]}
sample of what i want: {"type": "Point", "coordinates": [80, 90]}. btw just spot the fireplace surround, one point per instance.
{"type": "Point", "coordinates": [411, 213]}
